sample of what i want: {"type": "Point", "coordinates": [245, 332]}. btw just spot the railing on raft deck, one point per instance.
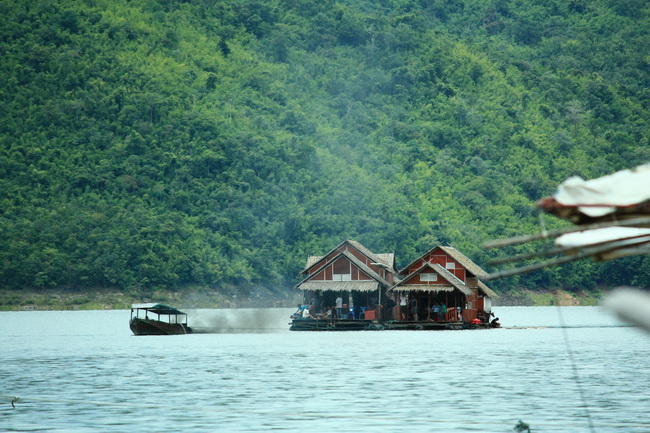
{"type": "Point", "coordinates": [452, 315]}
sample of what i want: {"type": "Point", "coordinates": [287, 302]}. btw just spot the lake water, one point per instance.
{"type": "Point", "coordinates": [83, 371]}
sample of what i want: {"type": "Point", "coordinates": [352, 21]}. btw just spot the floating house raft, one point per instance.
{"type": "Point", "coordinates": [352, 288]}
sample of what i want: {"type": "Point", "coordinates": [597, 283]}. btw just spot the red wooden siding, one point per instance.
{"type": "Point", "coordinates": [320, 274]}
{"type": "Point", "coordinates": [417, 279]}
{"type": "Point", "coordinates": [341, 266]}
{"type": "Point", "coordinates": [472, 307]}
{"type": "Point", "coordinates": [362, 258]}
{"type": "Point", "coordinates": [441, 258]}
{"type": "Point", "coordinates": [416, 266]}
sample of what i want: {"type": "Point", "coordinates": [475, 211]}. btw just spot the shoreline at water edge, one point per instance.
{"type": "Point", "coordinates": [105, 299]}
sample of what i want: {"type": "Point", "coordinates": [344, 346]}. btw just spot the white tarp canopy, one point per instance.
{"type": "Point", "coordinates": [608, 243]}
{"type": "Point", "coordinates": [601, 196]}
{"type": "Point", "coordinates": [600, 236]}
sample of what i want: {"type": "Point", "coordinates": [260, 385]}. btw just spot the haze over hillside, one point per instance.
{"type": "Point", "coordinates": [162, 144]}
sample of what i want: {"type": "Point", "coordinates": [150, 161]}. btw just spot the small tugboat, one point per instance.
{"type": "Point", "coordinates": [174, 324]}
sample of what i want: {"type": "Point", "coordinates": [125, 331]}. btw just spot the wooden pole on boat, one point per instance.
{"type": "Point", "coordinates": [446, 303]}
{"type": "Point", "coordinates": [587, 252]}
{"type": "Point", "coordinates": [549, 252]}
{"type": "Point", "coordinates": [640, 222]}
{"type": "Point", "coordinates": [380, 310]}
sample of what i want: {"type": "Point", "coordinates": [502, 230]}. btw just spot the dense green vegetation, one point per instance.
{"type": "Point", "coordinates": [153, 144]}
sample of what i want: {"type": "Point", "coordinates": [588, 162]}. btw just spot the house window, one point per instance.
{"type": "Point", "coordinates": [450, 265]}
{"type": "Point", "coordinates": [342, 277]}
{"type": "Point", "coordinates": [342, 270]}
{"type": "Point", "coordinates": [428, 277]}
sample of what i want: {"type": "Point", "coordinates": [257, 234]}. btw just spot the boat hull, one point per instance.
{"type": "Point", "coordinates": [422, 325]}
{"type": "Point", "coordinates": [155, 327]}
{"type": "Point", "coordinates": [376, 325]}
{"type": "Point", "coordinates": [333, 325]}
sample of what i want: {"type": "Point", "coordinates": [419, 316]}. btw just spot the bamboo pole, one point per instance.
{"type": "Point", "coordinates": [587, 252]}
{"type": "Point", "coordinates": [559, 250]}
{"type": "Point", "coordinates": [549, 252]}
{"type": "Point", "coordinates": [555, 233]}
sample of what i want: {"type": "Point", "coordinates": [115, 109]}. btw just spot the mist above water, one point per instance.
{"type": "Point", "coordinates": [246, 320]}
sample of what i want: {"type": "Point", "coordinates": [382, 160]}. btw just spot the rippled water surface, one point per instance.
{"type": "Point", "coordinates": [84, 371]}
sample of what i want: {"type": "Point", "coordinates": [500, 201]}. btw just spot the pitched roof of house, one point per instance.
{"type": "Point", "coordinates": [326, 285]}
{"type": "Point", "coordinates": [387, 259]}
{"type": "Point", "coordinates": [454, 282]}
{"type": "Point", "coordinates": [467, 263]}
{"type": "Point", "coordinates": [486, 290]}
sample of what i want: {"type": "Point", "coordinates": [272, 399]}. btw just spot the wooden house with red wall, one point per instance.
{"type": "Point", "coordinates": [443, 275]}
{"type": "Point", "coordinates": [352, 272]}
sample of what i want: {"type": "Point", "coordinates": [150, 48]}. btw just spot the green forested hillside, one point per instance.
{"type": "Point", "coordinates": [162, 144]}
